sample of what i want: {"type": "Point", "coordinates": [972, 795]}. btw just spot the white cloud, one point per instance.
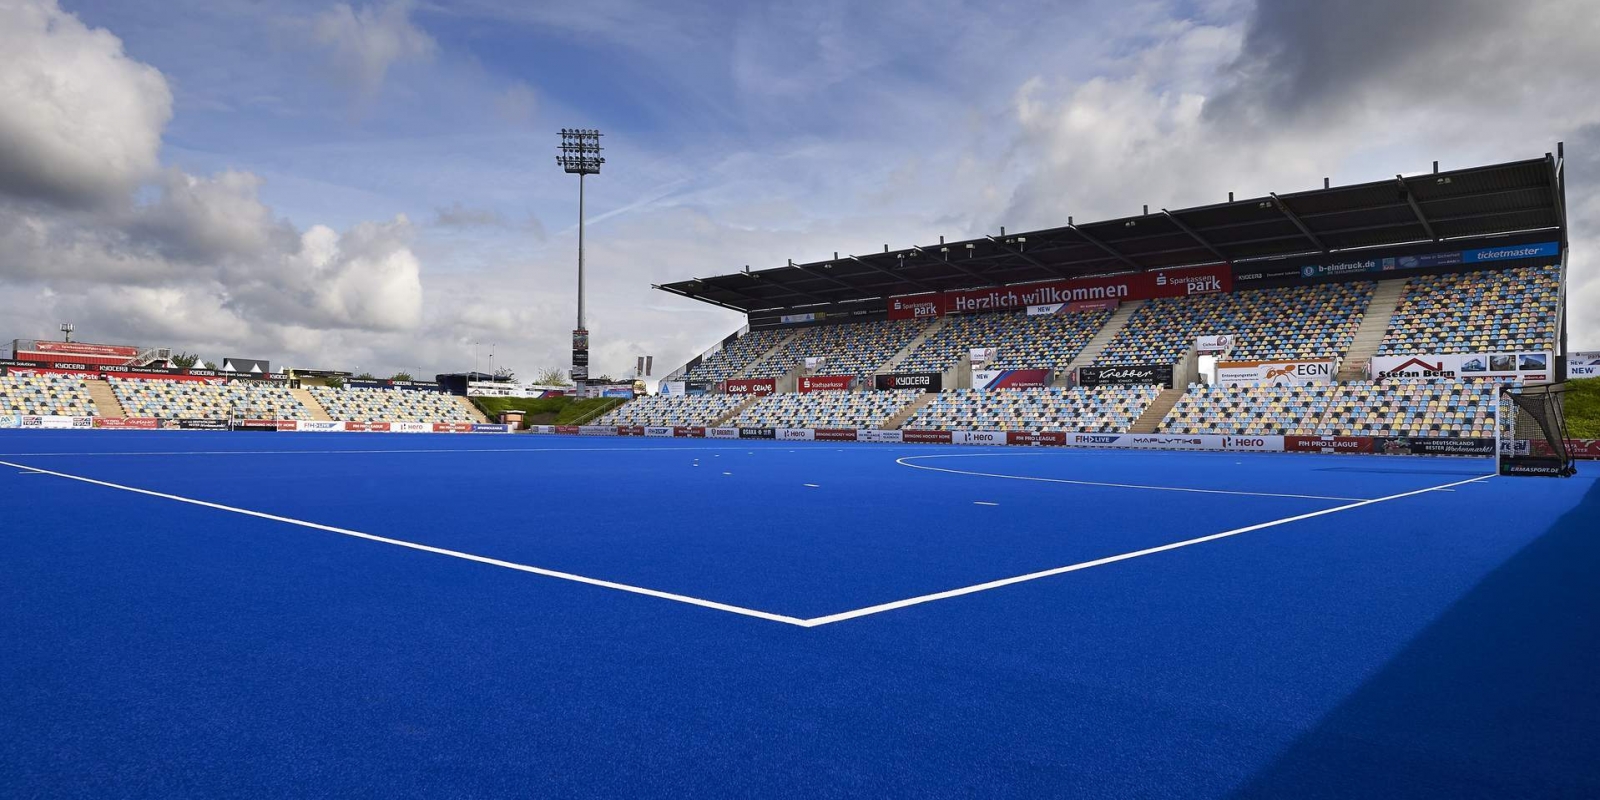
{"type": "Point", "coordinates": [80, 122]}
{"type": "Point", "coordinates": [363, 43]}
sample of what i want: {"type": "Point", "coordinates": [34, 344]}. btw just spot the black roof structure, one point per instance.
{"type": "Point", "coordinates": [1499, 199]}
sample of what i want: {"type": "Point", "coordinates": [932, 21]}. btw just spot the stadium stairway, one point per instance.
{"type": "Point", "coordinates": [734, 412]}
{"type": "Point", "coordinates": [106, 403]}
{"type": "Point", "coordinates": [310, 402]}
{"type": "Point", "coordinates": [894, 362]}
{"type": "Point", "coordinates": [473, 411]}
{"type": "Point", "coordinates": [1097, 344]}
{"type": "Point", "coordinates": [900, 417]}
{"type": "Point", "coordinates": [1374, 324]}
{"type": "Point", "coordinates": [762, 359]}
{"type": "Point", "coordinates": [1157, 411]}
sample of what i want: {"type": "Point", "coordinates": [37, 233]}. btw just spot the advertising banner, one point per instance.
{"type": "Point", "coordinates": [690, 431]}
{"type": "Point", "coordinates": [478, 427]}
{"type": "Point", "coordinates": [1010, 378]}
{"type": "Point", "coordinates": [921, 381]}
{"type": "Point", "coordinates": [758, 433]}
{"type": "Point", "coordinates": [457, 427]}
{"type": "Point", "coordinates": [1328, 444]}
{"type": "Point", "coordinates": [977, 437]}
{"type": "Point", "coordinates": [288, 425]}
{"type": "Point", "coordinates": [916, 307]}
{"type": "Point", "coordinates": [194, 424]}
{"type": "Point", "coordinates": [367, 427]}
{"type": "Point", "coordinates": [925, 437]}
{"type": "Point", "coordinates": [835, 434]}
{"type": "Point", "coordinates": [256, 425]}
{"type": "Point", "coordinates": [630, 430]}
{"type": "Point", "coordinates": [1052, 309]}
{"type": "Point", "coordinates": [55, 422]}
{"type": "Point", "coordinates": [827, 383]}
{"type": "Point", "coordinates": [320, 426]}
{"type": "Point", "coordinates": [1124, 375]}
{"type": "Point", "coordinates": [1130, 286]}
{"type": "Point", "coordinates": [411, 427]}
{"type": "Point", "coordinates": [1431, 446]}
{"type": "Point", "coordinates": [880, 437]}
{"type": "Point", "coordinates": [1532, 367]}
{"type": "Point", "coordinates": [1219, 343]}
{"type": "Point", "coordinates": [978, 356]}
{"type": "Point", "coordinates": [126, 423]}
{"type": "Point", "coordinates": [674, 388]}
{"type": "Point", "coordinates": [597, 430]}
{"type": "Point", "coordinates": [750, 386]}
{"type": "Point", "coordinates": [796, 319]}
{"type": "Point", "coordinates": [565, 430]}
{"type": "Point", "coordinates": [1253, 444]}
{"type": "Point", "coordinates": [1583, 365]}
{"type": "Point", "coordinates": [658, 431]}
{"type": "Point", "coordinates": [1274, 373]}
{"type": "Point", "coordinates": [795, 434]}
{"type": "Point", "coordinates": [81, 349]}
{"type": "Point", "coordinates": [10, 421]}
{"type": "Point", "coordinates": [814, 363]}
{"type": "Point", "coordinates": [1036, 438]}
{"type": "Point", "coordinates": [722, 433]}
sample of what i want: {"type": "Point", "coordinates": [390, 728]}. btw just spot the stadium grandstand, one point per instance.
{"type": "Point", "coordinates": [1398, 308]}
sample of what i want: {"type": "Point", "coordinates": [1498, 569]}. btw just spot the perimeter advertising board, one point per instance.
{"type": "Point", "coordinates": [1274, 373]}
{"type": "Point", "coordinates": [1112, 288]}
{"type": "Point", "coordinates": [1526, 366]}
{"type": "Point", "coordinates": [921, 381]}
{"type": "Point", "coordinates": [1583, 365]}
{"type": "Point", "coordinates": [1010, 378]}
{"type": "Point", "coordinates": [1126, 375]}
{"type": "Point", "coordinates": [750, 386]}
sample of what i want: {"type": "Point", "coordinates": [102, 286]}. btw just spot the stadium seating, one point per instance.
{"type": "Point", "coordinates": [671, 410]}
{"type": "Point", "coordinates": [1413, 407]}
{"type": "Point", "coordinates": [1106, 409]}
{"type": "Point", "coordinates": [1021, 341]}
{"type": "Point", "coordinates": [389, 405]}
{"type": "Point", "coordinates": [1250, 410]}
{"type": "Point", "coordinates": [1300, 322]}
{"type": "Point", "coordinates": [826, 409]}
{"type": "Point", "coordinates": [199, 400]}
{"type": "Point", "coordinates": [739, 353]}
{"type": "Point", "coordinates": [45, 394]}
{"type": "Point", "coordinates": [857, 348]}
{"type": "Point", "coordinates": [1476, 312]}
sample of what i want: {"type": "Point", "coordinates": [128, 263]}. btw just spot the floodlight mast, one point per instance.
{"type": "Point", "coordinates": [580, 155]}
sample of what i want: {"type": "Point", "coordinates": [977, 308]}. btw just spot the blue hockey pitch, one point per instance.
{"type": "Point", "coordinates": [354, 615]}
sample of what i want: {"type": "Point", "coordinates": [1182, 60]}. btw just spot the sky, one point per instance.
{"type": "Point", "coordinates": [372, 186]}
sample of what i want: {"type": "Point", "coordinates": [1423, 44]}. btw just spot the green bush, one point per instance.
{"type": "Point", "coordinates": [1582, 405]}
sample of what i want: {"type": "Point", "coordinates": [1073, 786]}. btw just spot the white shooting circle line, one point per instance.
{"type": "Point", "coordinates": [905, 461]}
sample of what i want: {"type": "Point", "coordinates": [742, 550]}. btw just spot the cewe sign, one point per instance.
{"type": "Point", "coordinates": [747, 386]}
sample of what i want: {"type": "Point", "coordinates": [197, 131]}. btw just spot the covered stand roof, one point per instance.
{"type": "Point", "coordinates": [1499, 199]}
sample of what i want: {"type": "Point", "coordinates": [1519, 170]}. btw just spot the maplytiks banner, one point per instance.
{"type": "Point", "coordinates": [1527, 366]}
{"type": "Point", "coordinates": [1010, 378]}
{"type": "Point", "coordinates": [1273, 373]}
{"type": "Point", "coordinates": [1583, 365]}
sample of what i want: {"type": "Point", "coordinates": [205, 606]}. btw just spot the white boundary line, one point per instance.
{"type": "Point", "coordinates": [1033, 576]}
{"type": "Point", "coordinates": [740, 610]}
{"type": "Point", "coordinates": [495, 562]}
{"type": "Point", "coordinates": [905, 461]}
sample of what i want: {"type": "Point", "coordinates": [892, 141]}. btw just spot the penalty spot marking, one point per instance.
{"type": "Point", "coordinates": [905, 461]}
{"type": "Point", "coordinates": [750, 612]}
{"type": "Point", "coordinates": [493, 562]}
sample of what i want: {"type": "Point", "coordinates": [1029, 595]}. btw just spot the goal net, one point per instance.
{"type": "Point", "coordinates": [1531, 433]}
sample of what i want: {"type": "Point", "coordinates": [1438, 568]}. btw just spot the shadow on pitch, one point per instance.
{"type": "Point", "coordinates": [1497, 698]}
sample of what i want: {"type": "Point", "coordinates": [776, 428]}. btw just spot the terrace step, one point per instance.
{"type": "Point", "coordinates": [1157, 411]}
{"type": "Point", "coordinates": [733, 413]}
{"type": "Point", "coordinates": [309, 400]}
{"type": "Point", "coordinates": [897, 359]}
{"type": "Point", "coordinates": [743, 373]}
{"type": "Point", "coordinates": [105, 400]}
{"type": "Point", "coordinates": [1097, 344]}
{"type": "Point", "coordinates": [1374, 326]}
{"type": "Point", "coordinates": [473, 412]}
{"type": "Point", "coordinates": [900, 417]}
